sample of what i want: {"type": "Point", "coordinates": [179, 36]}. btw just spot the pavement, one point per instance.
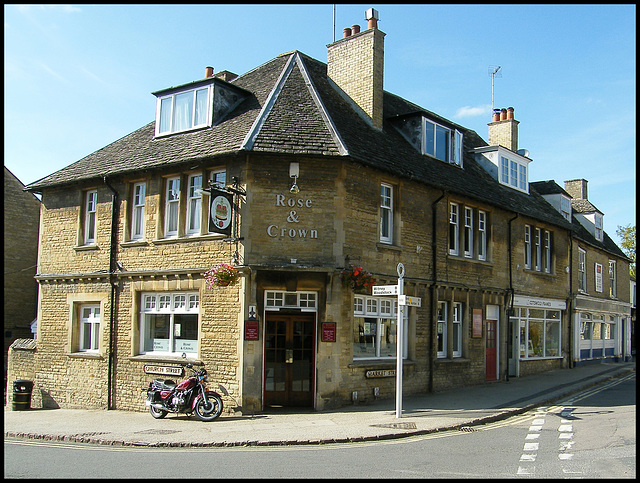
{"type": "Point", "coordinates": [458, 409]}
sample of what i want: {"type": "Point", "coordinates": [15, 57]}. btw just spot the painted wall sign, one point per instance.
{"type": "Point", "coordinates": [251, 330]}
{"type": "Point", "coordinates": [163, 370]}
{"type": "Point", "coordinates": [220, 211]}
{"type": "Point", "coordinates": [328, 332]}
{"type": "Point", "coordinates": [477, 323]}
{"type": "Point", "coordinates": [539, 303]}
{"type": "Point", "coordinates": [380, 373]}
{"type": "Point", "coordinates": [294, 217]}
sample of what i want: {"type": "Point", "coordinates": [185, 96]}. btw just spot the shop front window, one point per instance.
{"type": "Point", "coordinates": [540, 333]}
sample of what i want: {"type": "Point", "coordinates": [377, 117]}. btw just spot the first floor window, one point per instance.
{"type": "Point", "coordinates": [137, 211]}
{"type": "Point", "coordinates": [89, 336]}
{"type": "Point", "coordinates": [194, 204]}
{"type": "Point", "coordinates": [172, 205]}
{"type": "Point", "coordinates": [386, 213]}
{"type": "Point", "coordinates": [482, 235]}
{"type": "Point", "coordinates": [540, 332]}
{"type": "Point", "coordinates": [169, 323]}
{"type": "Point", "coordinates": [598, 277]}
{"type": "Point", "coordinates": [375, 328]}
{"type": "Point", "coordinates": [454, 229]}
{"type": "Point", "coordinates": [91, 201]}
{"type": "Point", "coordinates": [612, 279]}
{"type": "Point", "coordinates": [468, 232]}
{"type": "Point", "coordinates": [582, 270]}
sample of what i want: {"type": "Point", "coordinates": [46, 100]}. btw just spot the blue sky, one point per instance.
{"type": "Point", "coordinates": [78, 77]}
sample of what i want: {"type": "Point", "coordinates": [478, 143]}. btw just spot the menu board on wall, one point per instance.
{"type": "Point", "coordinates": [477, 323]}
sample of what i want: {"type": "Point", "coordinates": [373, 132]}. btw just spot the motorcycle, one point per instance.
{"type": "Point", "coordinates": [191, 395]}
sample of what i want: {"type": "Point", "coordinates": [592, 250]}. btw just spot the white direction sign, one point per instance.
{"type": "Point", "coordinates": [409, 300]}
{"type": "Point", "coordinates": [384, 290]}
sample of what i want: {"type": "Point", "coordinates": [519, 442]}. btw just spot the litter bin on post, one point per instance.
{"type": "Point", "coordinates": [22, 395]}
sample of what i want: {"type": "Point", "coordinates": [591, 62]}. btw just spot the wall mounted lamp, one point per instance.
{"type": "Point", "coordinates": [294, 172]}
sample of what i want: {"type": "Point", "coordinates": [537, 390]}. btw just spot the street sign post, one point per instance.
{"type": "Point", "coordinates": [400, 334]}
{"type": "Point", "coordinates": [378, 290]}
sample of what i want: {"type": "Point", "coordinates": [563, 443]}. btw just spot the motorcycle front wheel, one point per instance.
{"type": "Point", "coordinates": [157, 413]}
{"type": "Point", "coordinates": [210, 409]}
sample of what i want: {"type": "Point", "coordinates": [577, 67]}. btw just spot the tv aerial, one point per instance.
{"type": "Point", "coordinates": [494, 71]}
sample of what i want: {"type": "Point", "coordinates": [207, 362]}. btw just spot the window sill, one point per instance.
{"type": "Point", "coordinates": [156, 358]}
{"type": "Point", "coordinates": [388, 246]}
{"type": "Point", "coordinates": [86, 355]}
{"type": "Point", "coordinates": [84, 248]}
{"type": "Point", "coordinates": [462, 258]}
{"type": "Point", "coordinates": [378, 363]}
{"type": "Point", "coordinates": [190, 238]}
{"type": "Point", "coordinates": [452, 360]}
{"type": "Point", "coordinates": [134, 243]}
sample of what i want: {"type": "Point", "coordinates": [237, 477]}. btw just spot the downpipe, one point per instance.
{"type": "Point", "coordinates": [114, 293]}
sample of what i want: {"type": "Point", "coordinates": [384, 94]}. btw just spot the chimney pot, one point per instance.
{"type": "Point", "coordinates": [503, 114]}
{"type": "Point", "coordinates": [208, 72]}
{"type": "Point", "coordinates": [510, 113]}
{"type": "Point", "coordinates": [346, 32]}
{"type": "Point", "coordinates": [355, 29]}
{"type": "Point", "coordinates": [496, 115]}
{"type": "Point", "coordinates": [372, 17]}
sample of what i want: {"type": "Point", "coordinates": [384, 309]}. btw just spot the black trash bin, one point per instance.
{"type": "Point", "coordinates": [22, 395]}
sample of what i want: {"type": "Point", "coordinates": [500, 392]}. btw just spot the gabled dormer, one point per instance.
{"type": "Point", "coordinates": [585, 212]}
{"type": "Point", "coordinates": [502, 158]}
{"type": "Point", "coordinates": [555, 196]}
{"type": "Point", "coordinates": [196, 105]}
{"type": "Point", "coordinates": [431, 137]}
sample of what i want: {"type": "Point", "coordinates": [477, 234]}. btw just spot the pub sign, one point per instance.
{"type": "Point", "coordinates": [220, 212]}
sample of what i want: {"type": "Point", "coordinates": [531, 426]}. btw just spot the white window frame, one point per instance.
{"type": "Point", "coordinates": [137, 211]}
{"type": "Point", "coordinates": [613, 292]}
{"type": "Point", "coordinates": [457, 329]}
{"type": "Point", "coordinates": [171, 304]}
{"type": "Point", "coordinates": [598, 227]}
{"type": "Point", "coordinates": [89, 328]}
{"type": "Point", "coordinates": [90, 219]}
{"type": "Point", "coordinates": [582, 270]}
{"type": "Point", "coordinates": [381, 309]}
{"type": "Point", "coordinates": [454, 228]}
{"type": "Point", "coordinates": [169, 102]}
{"type": "Point", "coordinates": [513, 172]}
{"type": "Point", "coordinates": [386, 213]}
{"type": "Point", "coordinates": [527, 246]}
{"type": "Point", "coordinates": [172, 207]}
{"type": "Point", "coordinates": [546, 249]}
{"type": "Point", "coordinates": [442, 329]}
{"type": "Point", "coordinates": [468, 232]}
{"type": "Point", "coordinates": [504, 170]}
{"type": "Point", "coordinates": [194, 204]}
{"type": "Point", "coordinates": [538, 247]}
{"type": "Point", "coordinates": [565, 207]}
{"type": "Point", "coordinates": [482, 235]}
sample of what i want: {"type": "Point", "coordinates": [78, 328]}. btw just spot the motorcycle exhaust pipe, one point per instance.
{"type": "Point", "coordinates": [162, 408]}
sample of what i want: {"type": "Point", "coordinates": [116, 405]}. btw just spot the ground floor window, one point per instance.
{"type": "Point", "coordinates": [597, 335]}
{"type": "Point", "coordinates": [169, 323]}
{"type": "Point", "coordinates": [540, 332]}
{"type": "Point", "coordinates": [375, 328]}
{"type": "Point", "coordinates": [444, 333]}
{"type": "Point", "coordinates": [89, 336]}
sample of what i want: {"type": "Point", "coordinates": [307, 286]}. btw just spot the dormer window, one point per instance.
{"type": "Point", "coordinates": [509, 168]}
{"type": "Point", "coordinates": [565, 207]}
{"type": "Point", "coordinates": [182, 111]}
{"type": "Point", "coordinates": [196, 105]}
{"type": "Point", "coordinates": [432, 138]}
{"type": "Point", "coordinates": [598, 227]}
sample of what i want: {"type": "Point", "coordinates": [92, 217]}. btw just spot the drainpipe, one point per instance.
{"type": "Point", "coordinates": [434, 301]}
{"type": "Point", "coordinates": [570, 316]}
{"type": "Point", "coordinates": [114, 292]}
{"type": "Point", "coordinates": [511, 293]}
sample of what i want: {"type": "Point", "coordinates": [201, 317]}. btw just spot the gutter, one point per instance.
{"type": "Point", "coordinates": [510, 293]}
{"type": "Point", "coordinates": [114, 294]}
{"type": "Point", "coordinates": [434, 301]}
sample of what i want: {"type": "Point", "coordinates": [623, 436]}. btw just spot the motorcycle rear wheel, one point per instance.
{"type": "Point", "coordinates": [210, 409]}
{"type": "Point", "coordinates": [157, 413]}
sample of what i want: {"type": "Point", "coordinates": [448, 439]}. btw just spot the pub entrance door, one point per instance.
{"type": "Point", "coordinates": [289, 354]}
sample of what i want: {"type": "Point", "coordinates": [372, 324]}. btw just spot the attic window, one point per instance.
{"type": "Point", "coordinates": [432, 138]}
{"type": "Point", "coordinates": [184, 110]}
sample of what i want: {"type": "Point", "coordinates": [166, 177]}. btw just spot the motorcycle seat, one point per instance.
{"type": "Point", "coordinates": [166, 384]}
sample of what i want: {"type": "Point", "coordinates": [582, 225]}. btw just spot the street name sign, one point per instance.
{"type": "Point", "coordinates": [409, 300]}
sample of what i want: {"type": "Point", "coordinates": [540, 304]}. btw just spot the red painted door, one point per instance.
{"type": "Point", "coordinates": [491, 370]}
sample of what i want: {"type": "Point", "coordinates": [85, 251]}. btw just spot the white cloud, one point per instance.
{"type": "Point", "coordinates": [469, 111]}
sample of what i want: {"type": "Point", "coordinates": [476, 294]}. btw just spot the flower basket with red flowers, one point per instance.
{"type": "Point", "coordinates": [222, 275]}
{"type": "Point", "coordinates": [357, 278]}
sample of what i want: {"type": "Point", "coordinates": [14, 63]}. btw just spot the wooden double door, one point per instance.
{"type": "Point", "coordinates": [289, 354]}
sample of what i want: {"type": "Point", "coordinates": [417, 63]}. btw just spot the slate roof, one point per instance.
{"type": "Point", "coordinates": [294, 108]}
{"type": "Point", "coordinates": [578, 230]}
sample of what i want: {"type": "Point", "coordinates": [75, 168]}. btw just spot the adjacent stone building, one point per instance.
{"type": "Point", "coordinates": [302, 176]}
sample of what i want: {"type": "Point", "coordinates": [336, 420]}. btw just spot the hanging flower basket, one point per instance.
{"type": "Point", "coordinates": [221, 275]}
{"type": "Point", "coordinates": [357, 278]}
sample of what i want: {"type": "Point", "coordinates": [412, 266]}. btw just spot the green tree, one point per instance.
{"type": "Point", "coordinates": [628, 236]}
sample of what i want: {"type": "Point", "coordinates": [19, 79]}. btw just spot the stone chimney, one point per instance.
{"type": "Point", "coordinates": [356, 64]}
{"type": "Point", "coordinates": [503, 130]}
{"type": "Point", "coordinates": [577, 188]}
